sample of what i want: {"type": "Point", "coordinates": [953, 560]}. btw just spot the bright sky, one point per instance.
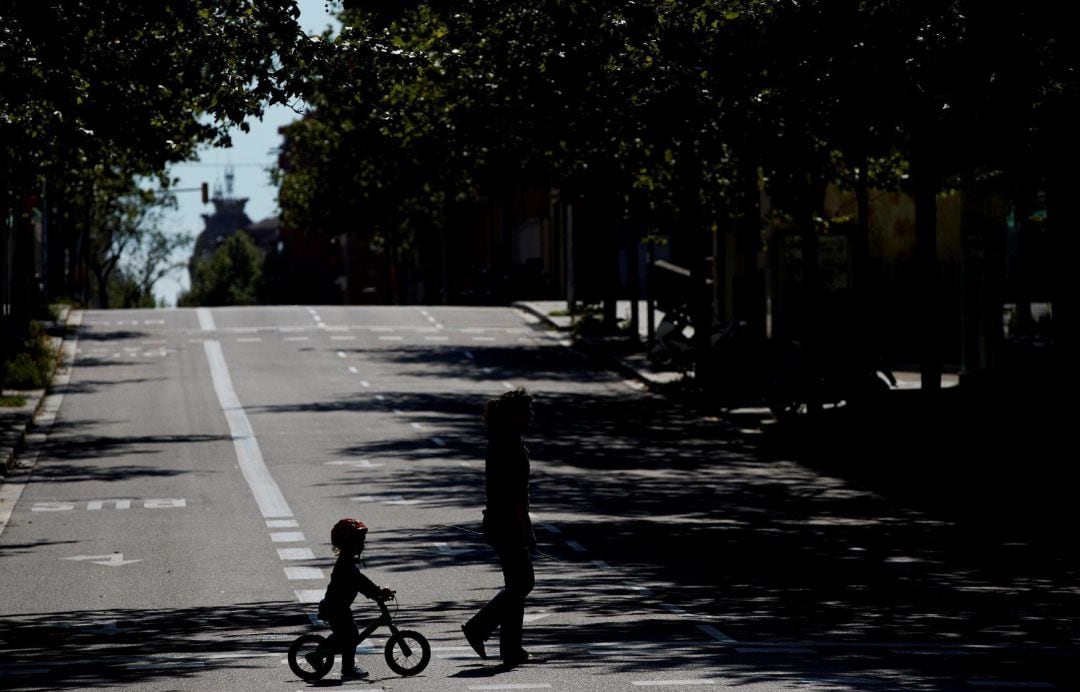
{"type": "Point", "coordinates": [251, 155]}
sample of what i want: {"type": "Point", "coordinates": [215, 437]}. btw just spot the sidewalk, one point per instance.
{"type": "Point", "coordinates": [637, 364]}
{"type": "Point", "coordinates": [15, 421]}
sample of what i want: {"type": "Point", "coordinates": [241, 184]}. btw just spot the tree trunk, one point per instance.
{"type": "Point", "coordinates": [861, 301]}
{"type": "Point", "coordinates": [925, 181]}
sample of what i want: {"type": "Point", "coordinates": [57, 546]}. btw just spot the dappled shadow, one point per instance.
{"type": "Point", "coordinates": [489, 363]}
{"type": "Point", "coordinates": [106, 648]}
{"type": "Point", "coordinates": [10, 549]}
{"type": "Point", "coordinates": [91, 334]}
{"type": "Point", "coordinates": [92, 386]}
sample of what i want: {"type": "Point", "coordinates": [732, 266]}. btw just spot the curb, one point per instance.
{"type": "Point", "coordinates": [22, 419]}
{"type": "Point", "coordinates": [590, 348]}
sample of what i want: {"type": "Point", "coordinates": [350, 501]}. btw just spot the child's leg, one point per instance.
{"type": "Point", "coordinates": [346, 636]}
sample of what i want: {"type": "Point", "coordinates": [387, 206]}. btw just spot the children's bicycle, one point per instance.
{"type": "Point", "coordinates": [407, 652]}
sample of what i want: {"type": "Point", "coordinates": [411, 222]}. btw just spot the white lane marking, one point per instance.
{"type": "Point", "coordinates": [365, 383]}
{"type": "Point", "coordinates": [337, 329]}
{"type": "Point", "coordinates": [295, 338]}
{"type": "Point", "coordinates": [341, 354]}
{"type": "Point", "coordinates": [391, 338]}
{"type": "Point", "coordinates": [513, 686]}
{"type": "Point", "coordinates": [282, 523]}
{"type": "Point", "coordinates": [295, 554]}
{"type": "Point", "coordinates": [353, 370]}
{"type": "Point", "coordinates": [574, 545]}
{"type": "Point", "coordinates": [95, 505]}
{"type": "Point", "coordinates": [301, 573]}
{"type": "Point", "coordinates": [445, 549]}
{"type": "Point", "coordinates": [507, 385]}
{"type": "Point", "coordinates": [379, 397]}
{"type": "Point", "coordinates": [287, 537]}
{"type": "Point", "coordinates": [673, 683]}
{"type": "Point", "coordinates": [113, 560]}
{"type": "Point", "coordinates": [381, 329]}
{"type": "Point", "coordinates": [309, 595]}
{"type": "Point", "coordinates": [249, 339]}
{"type": "Point", "coordinates": [483, 338]}
{"type": "Point", "coordinates": [343, 338]}
{"type": "Point", "coordinates": [437, 338]}
{"type": "Point", "coordinates": [404, 503]}
{"type": "Point", "coordinates": [635, 385]}
{"type": "Point", "coordinates": [359, 463]}
{"type": "Point", "coordinates": [716, 634]}
{"type": "Point", "coordinates": [268, 495]}
{"type": "Point", "coordinates": [206, 319]}
{"type": "Point", "coordinates": [533, 617]}
{"type": "Point", "coordinates": [417, 426]}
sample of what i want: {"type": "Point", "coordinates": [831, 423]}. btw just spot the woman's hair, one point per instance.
{"type": "Point", "coordinates": [498, 411]}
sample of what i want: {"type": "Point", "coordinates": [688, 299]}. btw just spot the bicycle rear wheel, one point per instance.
{"type": "Point", "coordinates": [407, 652]}
{"type": "Point", "coordinates": [303, 663]}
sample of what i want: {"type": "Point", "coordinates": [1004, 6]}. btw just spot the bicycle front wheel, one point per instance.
{"type": "Point", "coordinates": [304, 662]}
{"type": "Point", "coordinates": [407, 652]}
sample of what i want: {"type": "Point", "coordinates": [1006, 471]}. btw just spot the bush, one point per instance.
{"type": "Point", "coordinates": [32, 366]}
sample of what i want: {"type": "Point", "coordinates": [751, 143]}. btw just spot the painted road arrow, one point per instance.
{"type": "Point", "coordinates": [113, 560]}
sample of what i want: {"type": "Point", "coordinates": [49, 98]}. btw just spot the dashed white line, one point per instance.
{"type": "Point", "coordinates": [365, 383]}
{"type": "Point", "coordinates": [391, 338]}
{"type": "Point", "coordinates": [483, 338]}
{"type": "Point", "coordinates": [302, 573]}
{"type": "Point", "coordinates": [249, 339]}
{"type": "Point", "coordinates": [674, 683]}
{"type": "Point", "coordinates": [437, 338]}
{"type": "Point", "coordinates": [342, 354]}
{"type": "Point", "coordinates": [343, 338]}
{"type": "Point", "coordinates": [295, 554]}
{"type": "Point", "coordinates": [295, 338]}
{"type": "Point", "coordinates": [287, 537]}
{"type": "Point", "coordinates": [353, 370]}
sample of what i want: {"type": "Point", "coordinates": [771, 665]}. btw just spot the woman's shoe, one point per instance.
{"type": "Point", "coordinates": [516, 658]}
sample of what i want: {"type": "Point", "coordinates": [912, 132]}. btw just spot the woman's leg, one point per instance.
{"type": "Point", "coordinates": [520, 579]}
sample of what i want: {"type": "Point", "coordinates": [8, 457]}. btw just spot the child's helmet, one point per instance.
{"type": "Point", "coordinates": [347, 532]}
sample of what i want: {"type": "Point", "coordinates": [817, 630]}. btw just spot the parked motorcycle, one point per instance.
{"type": "Point", "coordinates": [806, 383]}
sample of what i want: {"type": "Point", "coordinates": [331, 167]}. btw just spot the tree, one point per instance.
{"type": "Point", "coordinates": [230, 277]}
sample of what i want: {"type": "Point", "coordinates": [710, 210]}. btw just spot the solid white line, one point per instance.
{"type": "Point", "coordinates": [271, 502]}
{"type": "Point", "coordinates": [206, 319]}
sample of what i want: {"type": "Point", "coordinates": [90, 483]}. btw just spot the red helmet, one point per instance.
{"type": "Point", "coordinates": [347, 532]}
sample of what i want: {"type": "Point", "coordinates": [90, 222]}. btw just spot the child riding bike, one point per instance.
{"type": "Point", "coordinates": [346, 581]}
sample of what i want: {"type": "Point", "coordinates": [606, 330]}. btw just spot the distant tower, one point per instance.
{"type": "Point", "coordinates": [228, 218]}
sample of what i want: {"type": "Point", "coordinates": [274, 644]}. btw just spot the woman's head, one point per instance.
{"type": "Point", "coordinates": [510, 412]}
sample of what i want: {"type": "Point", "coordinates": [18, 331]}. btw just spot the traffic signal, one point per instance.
{"type": "Point", "coordinates": [205, 193]}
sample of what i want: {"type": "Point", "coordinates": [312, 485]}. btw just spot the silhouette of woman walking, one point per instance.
{"type": "Point", "coordinates": [507, 526]}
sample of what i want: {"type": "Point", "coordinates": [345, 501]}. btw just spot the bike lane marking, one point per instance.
{"type": "Point", "coordinates": [267, 494]}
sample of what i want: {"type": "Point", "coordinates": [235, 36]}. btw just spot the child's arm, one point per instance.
{"type": "Point", "coordinates": [371, 589]}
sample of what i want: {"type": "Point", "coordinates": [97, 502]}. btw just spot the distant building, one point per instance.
{"type": "Point", "coordinates": [228, 218]}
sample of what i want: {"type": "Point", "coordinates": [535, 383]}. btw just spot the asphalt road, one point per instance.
{"type": "Point", "coordinates": [174, 533]}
